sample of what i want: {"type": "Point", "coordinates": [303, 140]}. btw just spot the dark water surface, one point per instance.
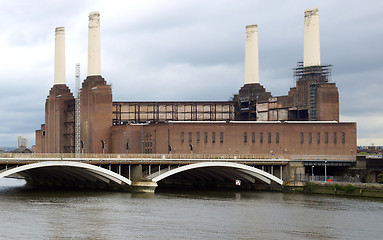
{"type": "Point", "coordinates": [27, 213]}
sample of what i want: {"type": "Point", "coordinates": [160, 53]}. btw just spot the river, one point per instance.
{"type": "Point", "coordinates": [27, 213]}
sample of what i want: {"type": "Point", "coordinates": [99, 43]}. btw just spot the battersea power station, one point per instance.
{"type": "Point", "coordinates": [303, 122]}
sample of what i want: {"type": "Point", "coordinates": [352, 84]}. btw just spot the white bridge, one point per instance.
{"type": "Point", "coordinates": [127, 171]}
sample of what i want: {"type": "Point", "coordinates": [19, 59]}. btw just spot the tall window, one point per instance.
{"type": "Point", "coordinates": [277, 137]}
{"type": "Point", "coordinates": [310, 137]}
{"type": "Point", "coordinates": [197, 137]}
{"type": "Point", "coordinates": [221, 137]}
{"type": "Point", "coordinates": [343, 138]}
{"type": "Point", "coordinates": [205, 137]}
{"type": "Point", "coordinates": [326, 137]}
{"type": "Point", "coordinates": [302, 135]}
{"type": "Point", "coordinates": [182, 137]}
{"type": "Point", "coordinates": [261, 137]}
{"type": "Point", "coordinates": [269, 137]}
{"type": "Point", "coordinates": [334, 136]}
{"type": "Point", "coordinates": [318, 138]}
{"type": "Point", "coordinates": [213, 137]}
{"type": "Point", "coordinates": [190, 137]}
{"type": "Point", "coordinates": [245, 136]}
{"type": "Point", "coordinates": [253, 137]}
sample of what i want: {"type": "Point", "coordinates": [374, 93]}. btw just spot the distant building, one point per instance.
{"type": "Point", "coordinates": [22, 142]}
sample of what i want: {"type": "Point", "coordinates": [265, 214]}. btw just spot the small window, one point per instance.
{"type": "Point", "coordinates": [213, 137]}
{"type": "Point", "coordinates": [343, 138]}
{"type": "Point", "coordinates": [334, 136]}
{"type": "Point", "coordinates": [277, 137]}
{"type": "Point", "coordinates": [326, 137]}
{"type": "Point", "coordinates": [221, 137]}
{"type": "Point", "coordinates": [310, 137]}
{"type": "Point", "coordinates": [205, 137]}
{"type": "Point", "coordinates": [318, 138]}
{"type": "Point", "coordinates": [197, 137]}
{"type": "Point", "coordinates": [261, 137]}
{"type": "Point", "coordinates": [245, 136]}
{"type": "Point", "coordinates": [302, 137]}
{"type": "Point", "coordinates": [190, 137]}
{"type": "Point", "coordinates": [182, 137]}
{"type": "Point", "coordinates": [253, 137]}
{"type": "Point", "coordinates": [269, 137]}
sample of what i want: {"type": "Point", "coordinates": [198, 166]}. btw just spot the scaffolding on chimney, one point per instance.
{"type": "Point", "coordinates": [317, 74]}
{"type": "Point", "coordinates": [314, 76]}
{"type": "Point", "coordinates": [77, 110]}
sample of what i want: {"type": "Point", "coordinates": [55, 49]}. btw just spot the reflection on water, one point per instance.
{"type": "Point", "coordinates": [47, 214]}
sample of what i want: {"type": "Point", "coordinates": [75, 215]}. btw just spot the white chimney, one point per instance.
{"type": "Point", "coordinates": [94, 60]}
{"type": "Point", "coordinates": [59, 77]}
{"type": "Point", "coordinates": [311, 51]}
{"type": "Point", "coordinates": [251, 55]}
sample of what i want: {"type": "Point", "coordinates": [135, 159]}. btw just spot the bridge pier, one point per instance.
{"type": "Point", "coordinates": [140, 183]}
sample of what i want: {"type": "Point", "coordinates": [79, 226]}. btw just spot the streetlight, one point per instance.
{"type": "Point", "coordinates": [312, 172]}
{"type": "Point", "coordinates": [325, 171]}
{"type": "Point", "coordinates": [103, 146]}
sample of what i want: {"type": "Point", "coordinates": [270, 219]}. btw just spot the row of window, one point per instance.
{"type": "Point", "coordinates": [198, 137]}
{"type": "Point", "coordinates": [261, 137]}
{"type": "Point", "coordinates": [326, 137]}
{"type": "Point", "coordinates": [269, 137]}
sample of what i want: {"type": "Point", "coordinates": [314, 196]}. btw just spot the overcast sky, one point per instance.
{"type": "Point", "coordinates": [188, 50]}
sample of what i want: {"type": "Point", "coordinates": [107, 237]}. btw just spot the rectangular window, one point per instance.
{"type": "Point", "coordinates": [253, 137]}
{"type": "Point", "coordinates": [334, 136]}
{"type": "Point", "coordinates": [221, 137]}
{"type": "Point", "coordinates": [269, 137]}
{"type": "Point", "coordinates": [197, 137]}
{"type": "Point", "coordinates": [310, 137]}
{"type": "Point", "coordinates": [326, 137]}
{"type": "Point", "coordinates": [245, 136]}
{"type": "Point", "coordinates": [318, 138]}
{"type": "Point", "coordinates": [190, 137]}
{"type": "Point", "coordinates": [205, 137]}
{"type": "Point", "coordinates": [261, 137]}
{"type": "Point", "coordinates": [277, 137]}
{"type": "Point", "coordinates": [213, 137]}
{"type": "Point", "coordinates": [182, 137]}
{"type": "Point", "coordinates": [302, 135]}
{"type": "Point", "coordinates": [343, 138]}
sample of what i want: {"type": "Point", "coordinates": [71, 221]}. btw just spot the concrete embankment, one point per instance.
{"type": "Point", "coordinates": [333, 188]}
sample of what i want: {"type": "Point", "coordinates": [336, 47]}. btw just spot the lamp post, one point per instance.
{"type": "Point", "coordinates": [325, 171]}
{"type": "Point", "coordinates": [312, 172]}
{"type": "Point", "coordinates": [103, 146]}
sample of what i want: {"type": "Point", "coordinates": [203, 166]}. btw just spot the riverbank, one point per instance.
{"type": "Point", "coordinates": [335, 188]}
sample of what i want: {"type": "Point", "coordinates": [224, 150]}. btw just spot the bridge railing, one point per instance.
{"type": "Point", "coordinates": [139, 156]}
{"type": "Point", "coordinates": [68, 156]}
{"type": "Point", "coordinates": [323, 157]}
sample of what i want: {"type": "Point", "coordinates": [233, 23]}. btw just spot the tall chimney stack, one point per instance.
{"type": "Point", "coordinates": [59, 77]}
{"type": "Point", "coordinates": [94, 60]}
{"type": "Point", "coordinates": [311, 51]}
{"type": "Point", "coordinates": [251, 55]}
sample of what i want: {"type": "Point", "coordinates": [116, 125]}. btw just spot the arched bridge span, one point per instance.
{"type": "Point", "coordinates": [218, 171]}
{"type": "Point", "coordinates": [69, 173]}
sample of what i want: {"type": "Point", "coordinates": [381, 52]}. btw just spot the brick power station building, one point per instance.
{"type": "Point", "coordinates": [304, 122]}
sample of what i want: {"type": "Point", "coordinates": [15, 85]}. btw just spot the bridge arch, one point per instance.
{"type": "Point", "coordinates": [69, 173]}
{"type": "Point", "coordinates": [240, 170]}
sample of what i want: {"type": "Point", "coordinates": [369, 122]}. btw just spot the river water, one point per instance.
{"type": "Point", "coordinates": [27, 213]}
